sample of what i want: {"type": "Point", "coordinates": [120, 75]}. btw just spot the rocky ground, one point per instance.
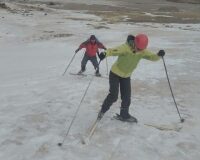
{"type": "Point", "coordinates": [113, 11]}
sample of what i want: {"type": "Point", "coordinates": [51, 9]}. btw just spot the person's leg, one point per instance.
{"type": "Point", "coordinates": [95, 64]}
{"type": "Point", "coordinates": [84, 62]}
{"type": "Point", "coordinates": [113, 92]}
{"type": "Point", "coordinates": [125, 90]}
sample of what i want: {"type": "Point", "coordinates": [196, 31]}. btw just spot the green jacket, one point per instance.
{"type": "Point", "coordinates": [127, 60]}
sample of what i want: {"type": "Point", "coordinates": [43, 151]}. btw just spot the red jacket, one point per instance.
{"type": "Point", "coordinates": [91, 48]}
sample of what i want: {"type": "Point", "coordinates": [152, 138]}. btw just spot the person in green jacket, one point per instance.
{"type": "Point", "coordinates": [129, 55]}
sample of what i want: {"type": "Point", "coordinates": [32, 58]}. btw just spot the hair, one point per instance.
{"type": "Point", "coordinates": [130, 38]}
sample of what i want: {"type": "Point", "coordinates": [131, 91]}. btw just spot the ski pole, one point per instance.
{"type": "Point", "coordinates": [61, 143]}
{"type": "Point", "coordinates": [181, 119]}
{"type": "Point", "coordinates": [69, 64]}
{"type": "Point", "coordinates": [107, 66]}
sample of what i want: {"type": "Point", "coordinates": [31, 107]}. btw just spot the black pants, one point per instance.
{"type": "Point", "coordinates": [125, 89]}
{"type": "Point", "coordinates": [92, 59]}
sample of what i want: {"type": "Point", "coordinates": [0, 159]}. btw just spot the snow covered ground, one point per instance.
{"type": "Point", "coordinates": [37, 103]}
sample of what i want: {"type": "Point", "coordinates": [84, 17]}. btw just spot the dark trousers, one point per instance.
{"type": "Point", "coordinates": [92, 59]}
{"type": "Point", "coordinates": [125, 89]}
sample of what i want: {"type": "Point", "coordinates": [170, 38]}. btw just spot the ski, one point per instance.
{"type": "Point", "coordinates": [81, 74]}
{"type": "Point", "coordinates": [78, 74]}
{"type": "Point", "coordinates": [164, 127]}
{"type": "Point", "coordinates": [86, 140]}
{"type": "Point", "coordinates": [99, 76]}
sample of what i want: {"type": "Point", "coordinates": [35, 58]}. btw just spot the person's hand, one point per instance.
{"type": "Point", "coordinates": [102, 55]}
{"type": "Point", "coordinates": [161, 53]}
{"type": "Point", "coordinates": [76, 50]}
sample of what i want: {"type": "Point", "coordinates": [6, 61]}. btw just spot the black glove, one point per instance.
{"type": "Point", "coordinates": [77, 50]}
{"type": "Point", "coordinates": [102, 55]}
{"type": "Point", "coordinates": [161, 53]}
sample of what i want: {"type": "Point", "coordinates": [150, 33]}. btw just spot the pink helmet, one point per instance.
{"type": "Point", "coordinates": [141, 41]}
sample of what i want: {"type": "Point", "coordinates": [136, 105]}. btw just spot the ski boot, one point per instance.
{"type": "Point", "coordinates": [125, 116]}
{"type": "Point", "coordinates": [80, 72]}
{"type": "Point", "coordinates": [97, 74]}
{"type": "Point", "coordinates": [130, 118]}
{"type": "Point", "coordinates": [100, 115]}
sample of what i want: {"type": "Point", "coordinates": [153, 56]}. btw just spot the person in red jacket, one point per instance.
{"type": "Point", "coordinates": [92, 46]}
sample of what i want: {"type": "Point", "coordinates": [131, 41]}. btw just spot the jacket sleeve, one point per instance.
{"type": "Point", "coordinates": [117, 51]}
{"type": "Point", "coordinates": [83, 45]}
{"type": "Point", "coordinates": [150, 56]}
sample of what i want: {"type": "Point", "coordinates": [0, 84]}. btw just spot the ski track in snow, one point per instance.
{"type": "Point", "coordinates": [38, 103]}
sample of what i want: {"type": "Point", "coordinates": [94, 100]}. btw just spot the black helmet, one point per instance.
{"type": "Point", "coordinates": [92, 37]}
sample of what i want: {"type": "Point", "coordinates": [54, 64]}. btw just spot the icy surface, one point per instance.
{"type": "Point", "coordinates": [37, 103]}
